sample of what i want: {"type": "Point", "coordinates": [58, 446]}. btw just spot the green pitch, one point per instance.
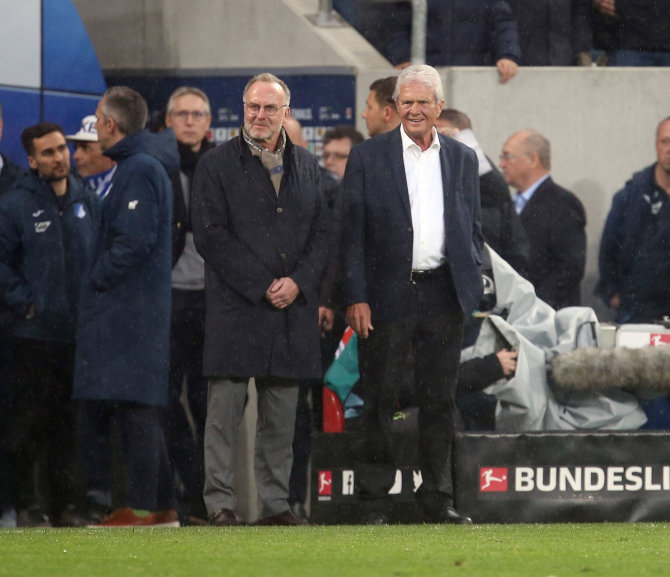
{"type": "Point", "coordinates": [591, 550]}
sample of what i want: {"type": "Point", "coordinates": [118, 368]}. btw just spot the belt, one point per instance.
{"type": "Point", "coordinates": [439, 273]}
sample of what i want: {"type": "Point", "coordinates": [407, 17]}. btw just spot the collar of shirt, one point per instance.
{"type": "Point", "coordinates": [530, 191]}
{"type": "Point", "coordinates": [409, 145]}
{"type": "Point", "coordinates": [2, 163]}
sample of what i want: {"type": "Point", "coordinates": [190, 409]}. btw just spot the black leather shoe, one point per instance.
{"type": "Point", "coordinates": [299, 510]}
{"type": "Point", "coordinates": [376, 518]}
{"type": "Point", "coordinates": [287, 518]}
{"type": "Point", "coordinates": [70, 517]}
{"type": "Point", "coordinates": [223, 518]}
{"type": "Point", "coordinates": [447, 515]}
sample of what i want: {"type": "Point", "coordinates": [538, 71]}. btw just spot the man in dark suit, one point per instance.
{"type": "Point", "coordinates": [411, 258]}
{"type": "Point", "coordinates": [260, 224]}
{"type": "Point", "coordinates": [553, 217]}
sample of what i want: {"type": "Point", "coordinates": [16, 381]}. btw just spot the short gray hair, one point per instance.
{"type": "Point", "coordinates": [268, 77]}
{"type": "Point", "coordinates": [658, 127]}
{"type": "Point", "coordinates": [538, 144]}
{"type": "Point", "coordinates": [183, 91]}
{"type": "Point", "coordinates": [127, 107]}
{"type": "Point", "coordinates": [420, 73]}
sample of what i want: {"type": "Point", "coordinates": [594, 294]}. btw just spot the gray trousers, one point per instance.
{"type": "Point", "coordinates": [273, 457]}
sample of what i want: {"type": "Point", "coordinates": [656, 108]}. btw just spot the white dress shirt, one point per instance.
{"type": "Point", "coordinates": [426, 198]}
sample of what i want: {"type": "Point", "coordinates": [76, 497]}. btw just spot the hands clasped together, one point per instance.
{"type": "Point", "coordinates": [282, 292]}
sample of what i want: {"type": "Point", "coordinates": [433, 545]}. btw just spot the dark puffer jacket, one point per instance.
{"type": "Point", "coordinates": [43, 255]}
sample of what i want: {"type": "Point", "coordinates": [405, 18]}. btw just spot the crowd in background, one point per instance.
{"type": "Point", "coordinates": [133, 358]}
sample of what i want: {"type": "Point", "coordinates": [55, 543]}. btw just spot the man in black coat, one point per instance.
{"type": "Point", "coordinates": [411, 249]}
{"type": "Point", "coordinates": [260, 224]}
{"type": "Point", "coordinates": [189, 115]}
{"type": "Point", "coordinates": [553, 217]}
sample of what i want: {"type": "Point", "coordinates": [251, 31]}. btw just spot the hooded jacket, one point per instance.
{"type": "Point", "coordinates": [634, 259]}
{"type": "Point", "coordinates": [124, 322]}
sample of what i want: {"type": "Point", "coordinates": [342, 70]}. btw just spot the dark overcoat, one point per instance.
{"type": "Point", "coordinates": [555, 222]}
{"type": "Point", "coordinates": [378, 236]}
{"type": "Point", "coordinates": [249, 236]}
{"type": "Point", "coordinates": [124, 319]}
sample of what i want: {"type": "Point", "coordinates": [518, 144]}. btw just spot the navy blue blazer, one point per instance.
{"type": "Point", "coordinates": [377, 225]}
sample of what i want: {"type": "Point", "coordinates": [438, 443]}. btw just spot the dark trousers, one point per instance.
{"type": "Point", "coordinates": [147, 470]}
{"type": "Point", "coordinates": [184, 443]}
{"type": "Point", "coordinates": [42, 421]}
{"type": "Point", "coordinates": [6, 497]}
{"type": "Point", "coordinates": [431, 333]}
{"type": "Point", "coordinates": [309, 418]}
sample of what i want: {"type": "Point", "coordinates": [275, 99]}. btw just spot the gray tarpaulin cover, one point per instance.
{"type": "Point", "coordinates": [529, 401]}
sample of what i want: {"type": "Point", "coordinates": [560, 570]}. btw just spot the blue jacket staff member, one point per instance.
{"type": "Point", "coordinates": [123, 329]}
{"type": "Point", "coordinates": [47, 239]}
{"type": "Point", "coordinates": [411, 255]}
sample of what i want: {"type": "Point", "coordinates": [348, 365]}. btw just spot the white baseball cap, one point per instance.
{"type": "Point", "coordinates": [87, 132]}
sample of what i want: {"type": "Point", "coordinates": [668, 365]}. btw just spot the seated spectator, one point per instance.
{"type": "Point", "coordinates": [642, 29]}
{"type": "Point", "coordinates": [553, 32]}
{"type": "Point", "coordinates": [459, 33]}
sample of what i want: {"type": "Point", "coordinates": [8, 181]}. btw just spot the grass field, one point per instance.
{"type": "Point", "coordinates": [562, 550]}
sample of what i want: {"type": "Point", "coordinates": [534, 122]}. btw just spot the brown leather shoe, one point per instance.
{"type": "Point", "coordinates": [223, 518]}
{"type": "Point", "coordinates": [287, 518]}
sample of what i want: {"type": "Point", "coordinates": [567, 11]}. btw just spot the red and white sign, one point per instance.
{"type": "Point", "coordinates": [659, 340]}
{"type": "Point", "coordinates": [325, 483]}
{"type": "Point", "coordinates": [493, 479]}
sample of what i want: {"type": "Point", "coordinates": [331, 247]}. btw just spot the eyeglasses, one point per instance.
{"type": "Point", "coordinates": [506, 156]}
{"type": "Point", "coordinates": [269, 109]}
{"type": "Point", "coordinates": [195, 114]}
{"type": "Point", "coordinates": [335, 155]}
